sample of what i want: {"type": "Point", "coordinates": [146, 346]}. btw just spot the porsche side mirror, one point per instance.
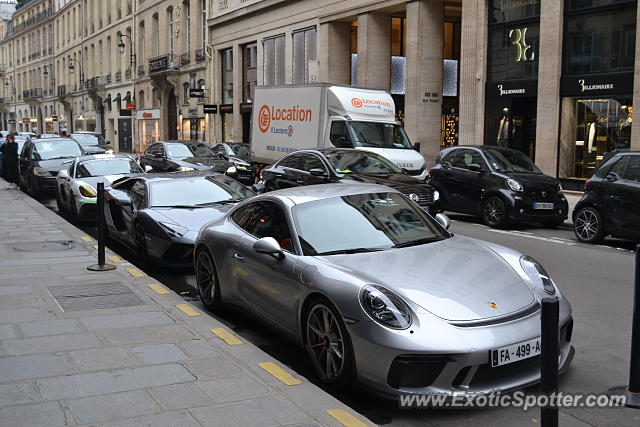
{"type": "Point", "coordinates": [147, 169]}
{"type": "Point", "coordinates": [318, 172]}
{"type": "Point", "coordinates": [443, 220]}
{"type": "Point", "coordinates": [268, 246]}
{"type": "Point", "coordinates": [258, 188]}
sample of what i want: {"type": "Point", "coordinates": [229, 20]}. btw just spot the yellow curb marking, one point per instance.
{"type": "Point", "coordinates": [135, 272]}
{"type": "Point", "coordinates": [115, 258]}
{"type": "Point", "coordinates": [345, 418]}
{"type": "Point", "coordinates": [188, 310]}
{"type": "Point", "coordinates": [279, 373]}
{"type": "Point", "coordinates": [226, 336]}
{"type": "Point", "coordinates": [159, 289]}
{"type": "Point", "coordinates": [95, 247]}
{"type": "Point", "coordinates": [86, 238]}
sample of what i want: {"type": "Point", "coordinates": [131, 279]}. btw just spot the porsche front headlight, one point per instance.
{"type": "Point", "coordinates": [185, 169]}
{"type": "Point", "coordinates": [87, 191]}
{"type": "Point", "coordinates": [241, 166]}
{"type": "Point", "coordinates": [537, 275]}
{"type": "Point", "coordinates": [38, 171]}
{"type": "Point", "coordinates": [436, 195]}
{"type": "Point", "coordinates": [385, 307]}
{"type": "Point", "coordinates": [231, 170]}
{"type": "Point", "coordinates": [173, 230]}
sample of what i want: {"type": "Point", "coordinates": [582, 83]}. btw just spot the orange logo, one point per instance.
{"type": "Point", "coordinates": [264, 119]}
{"type": "Point", "coordinates": [356, 102]}
{"type": "Point", "coordinates": [492, 305]}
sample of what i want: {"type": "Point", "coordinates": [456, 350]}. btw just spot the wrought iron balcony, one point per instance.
{"type": "Point", "coordinates": [127, 73]}
{"type": "Point", "coordinates": [107, 78]}
{"type": "Point", "coordinates": [62, 90]}
{"type": "Point", "coordinates": [161, 63]}
{"type": "Point", "coordinates": [200, 55]}
{"type": "Point", "coordinates": [185, 58]}
{"type": "Point", "coordinates": [32, 93]}
{"type": "Point", "coordinates": [118, 76]}
{"type": "Point", "coordinates": [141, 70]}
{"type": "Point", "coordinates": [94, 83]}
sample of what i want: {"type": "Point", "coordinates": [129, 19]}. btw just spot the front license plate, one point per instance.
{"type": "Point", "coordinates": [538, 205]}
{"type": "Point", "coordinates": [515, 352]}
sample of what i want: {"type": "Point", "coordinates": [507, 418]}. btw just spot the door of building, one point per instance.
{"type": "Point", "coordinates": [124, 136]}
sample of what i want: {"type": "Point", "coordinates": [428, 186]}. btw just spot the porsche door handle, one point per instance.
{"type": "Point", "coordinates": [238, 257]}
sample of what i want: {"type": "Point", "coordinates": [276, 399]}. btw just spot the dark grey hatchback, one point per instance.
{"type": "Point", "coordinates": [499, 184]}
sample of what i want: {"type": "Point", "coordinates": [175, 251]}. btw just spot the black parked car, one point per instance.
{"type": "Point", "coordinates": [181, 156]}
{"type": "Point", "coordinates": [40, 162]}
{"type": "Point", "coordinates": [499, 184]}
{"type": "Point", "coordinates": [611, 201]}
{"type": "Point", "coordinates": [93, 142]}
{"type": "Point", "coordinates": [347, 165]}
{"type": "Point", "coordinates": [159, 215]}
{"type": "Point", "coordinates": [238, 153]}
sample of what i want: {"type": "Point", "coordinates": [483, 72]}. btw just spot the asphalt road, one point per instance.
{"type": "Point", "coordinates": [596, 279]}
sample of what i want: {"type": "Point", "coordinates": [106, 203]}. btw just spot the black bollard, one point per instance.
{"type": "Point", "coordinates": [632, 392]}
{"type": "Point", "coordinates": [549, 321]}
{"type": "Point", "coordinates": [101, 265]}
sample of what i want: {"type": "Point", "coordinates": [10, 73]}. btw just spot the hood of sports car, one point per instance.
{"type": "Point", "coordinates": [193, 218]}
{"type": "Point", "coordinates": [94, 180]}
{"type": "Point", "coordinates": [457, 279]}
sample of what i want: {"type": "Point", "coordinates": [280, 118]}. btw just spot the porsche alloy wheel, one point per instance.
{"type": "Point", "coordinates": [207, 280]}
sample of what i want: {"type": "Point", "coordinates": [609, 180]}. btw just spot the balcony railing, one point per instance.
{"type": "Point", "coordinates": [94, 83]}
{"type": "Point", "coordinates": [199, 55]}
{"type": "Point", "coordinates": [33, 20]}
{"type": "Point", "coordinates": [118, 76]}
{"type": "Point", "coordinates": [32, 93]}
{"type": "Point", "coordinates": [161, 63]}
{"type": "Point", "coordinates": [107, 78]}
{"type": "Point", "coordinates": [3, 68]}
{"type": "Point", "coordinates": [127, 73]}
{"type": "Point", "coordinates": [141, 70]}
{"type": "Point", "coordinates": [62, 90]}
{"type": "Point", "coordinates": [185, 58]}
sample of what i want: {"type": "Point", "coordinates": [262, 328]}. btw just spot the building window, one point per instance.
{"type": "Point", "coordinates": [227, 76]}
{"type": "Point", "coordinates": [155, 23]}
{"type": "Point", "coordinates": [185, 93]}
{"type": "Point", "coordinates": [141, 100]}
{"type": "Point", "coordinates": [250, 71]}
{"type": "Point", "coordinates": [203, 23]}
{"type": "Point", "coordinates": [187, 24]}
{"type": "Point", "coordinates": [305, 56]}
{"type": "Point", "coordinates": [170, 24]}
{"type": "Point", "coordinates": [202, 85]}
{"type": "Point", "coordinates": [273, 54]}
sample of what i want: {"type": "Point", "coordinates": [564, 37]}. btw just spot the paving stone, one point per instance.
{"type": "Point", "coordinates": [131, 320]}
{"type": "Point", "coordinates": [180, 396]}
{"type": "Point", "coordinates": [50, 327]}
{"type": "Point", "coordinates": [199, 349]}
{"type": "Point", "coordinates": [33, 366]}
{"type": "Point", "coordinates": [17, 394]}
{"type": "Point", "coordinates": [41, 414]}
{"type": "Point", "coordinates": [171, 333]}
{"type": "Point", "coordinates": [212, 368]}
{"type": "Point", "coordinates": [18, 301]}
{"type": "Point", "coordinates": [15, 290]}
{"type": "Point", "coordinates": [20, 315]}
{"type": "Point", "coordinates": [7, 332]}
{"type": "Point", "coordinates": [34, 262]}
{"type": "Point", "coordinates": [282, 410]}
{"type": "Point", "coordinates": [128, 336]}
{"type": "Point", "coordinates": [234, 415]}
{"type": "Point", "coordinates": [232, 389]}
{"type": "Point", "coordinates": [159, 353]}
{"type": "Point", "coordinates": [103, 359]}
{"type": "Point", "coordinates": [89, 384]}
{"type": "Point", "coordinates": [112, 407]}
{"type": "Point", "coordinates": [165, 419]}
{"type": "Point", "coordinates": [51, 344]}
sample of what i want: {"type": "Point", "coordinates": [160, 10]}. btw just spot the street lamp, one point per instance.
{"type": "Point", "coordinates": [121, 47]}
{"type": "Point", "coordinates": [13, 96]}
{"type": "Point", "coordinates": [72, 68]}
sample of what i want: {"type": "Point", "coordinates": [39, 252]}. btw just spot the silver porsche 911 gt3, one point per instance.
{"type": "Point", "coordinates": [378, 291]}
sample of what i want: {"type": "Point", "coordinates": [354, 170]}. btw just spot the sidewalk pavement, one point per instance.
{"type": "Point", "coordinates": [116, 349]}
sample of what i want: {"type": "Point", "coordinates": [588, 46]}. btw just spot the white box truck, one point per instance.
{"type": "Point", "coordinates": [295, 117]}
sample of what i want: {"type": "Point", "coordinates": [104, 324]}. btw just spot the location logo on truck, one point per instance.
{"type": "Point", "coordinates": [356, 102]}
{"type": "Point", "coordinates": [269, 113]}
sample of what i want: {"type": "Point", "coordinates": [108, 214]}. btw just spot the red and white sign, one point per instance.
{"type": "Point", "coordinates": [130, 107]}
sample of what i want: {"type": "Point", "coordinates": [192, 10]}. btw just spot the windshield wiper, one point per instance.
{"type": "Point", "coordinates": [178, 206]}
{"type": "Point", "coordinates": [417, 242]}
{"type": "Point", "coordinates": [220, 202]}
{"type": "Point", "coordinates": [352, 251]}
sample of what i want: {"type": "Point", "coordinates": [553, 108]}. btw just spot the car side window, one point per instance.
{"type": "Point", "coordinates": [450, 157]}
{"type": "Point", "coordinates": [137, 194]}
{"type": "Point", "coordinates": [265, 219]}
{"type": "Point", "coordinates": [466, 158]}
{"type": "Point", "coordinates": [618, 168]}
{"type": "Point", "coordinates": [294, 162]}
{"type": "Point", "coordinates": [151, 150]}
{"type": "Point", "coordinates": [339, 135]}
{"type": "Point", "coordinates": [311, 161]}
{"type": "Point", "coordinates": [632, 171]}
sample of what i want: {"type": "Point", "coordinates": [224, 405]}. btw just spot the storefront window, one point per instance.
{"type": "Point", "coordinates": [148, 133]}
{"type": "Point", "coordinates": [227, 76]}
{"type": "Point", "coordinates": [590, 128]}
{"type": "Point", "coordinates": [588, 4]}
{"type": "Point", "coordinates": [502, 11]}
{"type": "Point", "coordinates": [514, 52]}
{"type": "Point", "coordinates": [193, 129]}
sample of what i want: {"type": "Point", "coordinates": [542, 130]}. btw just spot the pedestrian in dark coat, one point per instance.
{"type": "Point", "coordinates": [10, 160]}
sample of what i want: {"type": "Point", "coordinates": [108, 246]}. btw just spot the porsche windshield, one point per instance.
{"type": "Point", "coordinates": [102, 167]}
{"type": "Point", "coordinates": [363, 223]}
{"type": "Point", "coordinates": [182, 151]}
{"type": "Point", "coordinates": [196, 191]}
{"type": "Point", "coordinates": [379, 135]}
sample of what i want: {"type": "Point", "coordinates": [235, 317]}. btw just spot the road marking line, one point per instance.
{"type": "Point", "coordinates": [159, 289]}
{"type": "Point", "coordinates": [279, 373]}
{"type": "Point", "coordinates": [115, 258]}
{"type": "Point", "coordinates": [226, 336]}
{"type": "Point", "coordinates": [345, 418]}
{"type": "Point", "coordinates": [135, 272]}
{"type": "Point", "coordinates": [545, 239]}
{"type": "Point", "coordinates": [86, 238]}
{"type": "Point", "coordinates": [188, 310]}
